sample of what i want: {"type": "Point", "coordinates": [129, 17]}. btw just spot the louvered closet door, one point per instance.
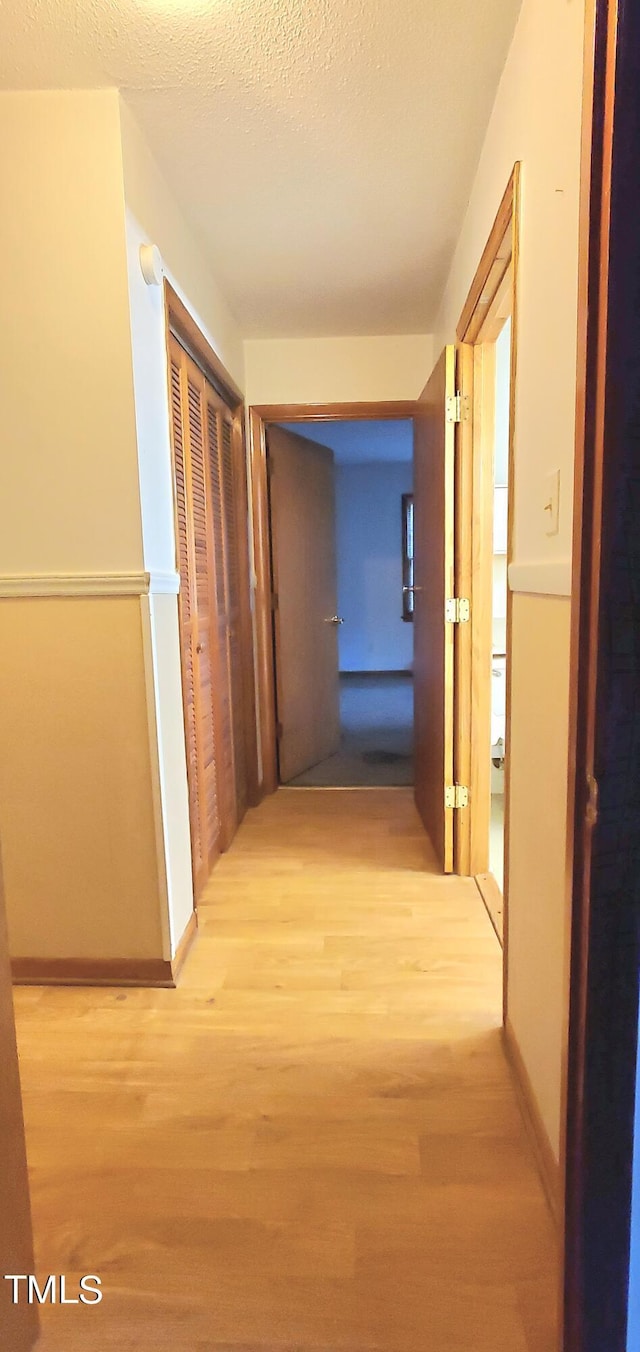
{"type": "Point", "coordinates": [204, 596]}
{"type": "Point", "coordinates": [187, 618]}
{"type": "Point", "coordinates": [229, 516]}
{"type": "Point", "coordinates": [197, 590]}
{"type": "Point", "coordinates": [211, 522]}
{"type": "Point", "coordinates": [235, 534]}
{"type": "Point", "coordinates": [227, 749]}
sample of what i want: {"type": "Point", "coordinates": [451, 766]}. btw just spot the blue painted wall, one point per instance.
{"type": "Point", "coordinates": [369, 550]}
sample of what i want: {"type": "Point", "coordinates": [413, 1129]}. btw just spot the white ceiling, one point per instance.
{"type": "Point", "coordinates": [362, 442]}
{"type": "Point", "coordinates": [325, 147]}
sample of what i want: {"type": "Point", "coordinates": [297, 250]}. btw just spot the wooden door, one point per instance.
{"type": "Point", "coordinates": [18, 1323]}
{"type": "Point", "coordinates": [230, 527]}
{"type": "Point", "coordinates": [200, 657]}
{"type": "Point", "coordinates": [303, 537]}
{"type": "Point", "coordinates": [236, 528]}
{"type": "Point", "coordinates": [434, 584]}
{"type": "Point", "coordinates": [215, 619]}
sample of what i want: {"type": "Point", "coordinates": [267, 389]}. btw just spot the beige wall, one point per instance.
{"type": "Point", "coordinates": [538, 806]}
{"type": "Point", "coordinates": [70, 499]}
{"type": "Point", "coordinates": [98, 863]}
{"type": "Point", "coordinates": [536, 119]}
{"type": "Point", "coordinates": [76, 793]}
{"type": "Point", "coordinates": [76, 804]}
{"type": "Point", "coordinates": [336, 370]}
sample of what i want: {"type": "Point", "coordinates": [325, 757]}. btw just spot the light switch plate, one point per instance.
{"type": "Point", "coordinates": [551, 502]}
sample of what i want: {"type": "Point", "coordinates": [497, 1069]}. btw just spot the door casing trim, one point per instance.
{"type": "Point", "coordinates": [492, 298]}
{"type": "Point", "coordinates": [259, 416]}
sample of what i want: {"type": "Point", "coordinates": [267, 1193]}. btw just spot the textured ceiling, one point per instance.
{"type": "Point", "coordinates": [325, 148]}
{"type": "Point", "coordinates": [363, 442]}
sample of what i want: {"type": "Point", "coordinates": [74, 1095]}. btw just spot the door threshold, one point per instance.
{"type": "Point", "coordinates": [346, 788]}
{"type": "Point", "coordinates": [492, 897]}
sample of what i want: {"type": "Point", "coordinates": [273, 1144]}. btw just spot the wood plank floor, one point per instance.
{"type": "Point", "coordinates": [314, 1144]}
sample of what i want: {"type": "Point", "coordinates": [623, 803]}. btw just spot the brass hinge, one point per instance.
{"type": "Point", "coordinates": [458, 407]}
{"type": "Point", "coordinates": [457, 610]}
{"type": "Point", "coordinates": [456, 795]}
{"type": "Point", "coordinates": [279, 730]}
{"type": "Point", "coordinates": [591, 811]}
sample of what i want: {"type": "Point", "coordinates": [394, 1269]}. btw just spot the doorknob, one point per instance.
{"type": "Point", "coordinates": [334, 619]}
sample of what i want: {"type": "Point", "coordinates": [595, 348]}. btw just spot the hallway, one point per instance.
{"type": "Point", "coordinates": [314, 1144]}
{"type": "Point", "coordinates": [376, 741]}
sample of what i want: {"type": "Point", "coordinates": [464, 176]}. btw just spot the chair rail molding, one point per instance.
{"type": "Point", "coordinates": [88, 584]}
{"type": "Point", "coordinates": [541, 577]}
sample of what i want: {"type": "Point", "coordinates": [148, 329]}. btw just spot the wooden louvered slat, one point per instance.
{"type": "Point", "coordinates": [191, 737]}
{"type": "Point", "coordinates": [228, 751]}
{"type": "Point", "coordinates": [198, 497]}
{"type": "Point", "coordinates": [217, 505]}
{"type": "Point", "coordinates": [230, 515]}
{"type": "Point", "coordinates": [187, 641]}
{"type": "Point", "coordinates": [181, 492]}
{"type": "Point", "coordinates": [182, 418]}
{"type": "Point", "coordinates": [209, 749]}
{"type": "Point", "coordinates": [205, 602]}
{"type": "Point", "coordinates": [237, 698]}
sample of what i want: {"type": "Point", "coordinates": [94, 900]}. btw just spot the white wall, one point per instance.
{"type": "Point", "coordinates": [499, 612]}
{"type": "Point", "coordinates": [503, 391]}
{"type": "Point", "coordinates": [153, 216]}
{"type": "Point", "coordinates": [537, 119]}
{"type": "Point", "coordinates": [369, 550]}
{"type": "Point", "coordinates": [336, 370]}
{"type": "Point", "coordinates": [500, 492]}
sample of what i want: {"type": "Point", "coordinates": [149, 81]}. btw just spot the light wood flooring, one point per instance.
{"type": "Point", "coordinates": [314, 1144]}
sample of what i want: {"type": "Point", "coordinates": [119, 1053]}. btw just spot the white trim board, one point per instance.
{"type": "Point", "coordinates": [88, 584]}
{"type": "Point", "coordinates": [541, 577]}
{"type": "Point", "coordinates": [166, 584]}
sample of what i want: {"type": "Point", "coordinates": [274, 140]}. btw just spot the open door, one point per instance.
{"type": "Point", "coordinates": [303, 542]}
{"type": "Point", "coordinates": [433, 489]}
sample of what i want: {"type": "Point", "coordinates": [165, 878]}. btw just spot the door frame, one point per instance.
{"type": "Point", "coordinates": [259, 416]}
{"type": "Point", "coordinates": [492, 298]}
{"type": "Point", "coordinates": [602, 961]}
